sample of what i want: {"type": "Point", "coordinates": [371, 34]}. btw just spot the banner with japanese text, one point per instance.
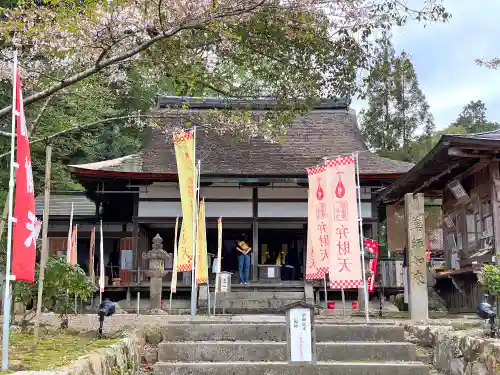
{"type": "Point", "coordinates": [372, 247]}
{"type": "Point", "coordinates": [173, 283]}
{"type": "Point", "coordinates": [91, 256]}
{"type": "Point", "coordinates": [184, 154]}
{"type": "Point", "coordinates": [219, 253]}
{"type": "Point", "coordinates": [318, 223]}
{"type": "Point", "coordinates": [25, 221]}
{"type": "Point", "coordinates": [74, 246]}
{"type": "Point", "coordinates": [345, 254]}
{"type": "Point", "coordinates": [201, 248]}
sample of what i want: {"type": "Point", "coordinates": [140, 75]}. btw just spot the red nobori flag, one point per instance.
{"type": "Point", "coordinates": [372, 247]}
{"type": "Point", "coordinates": [25, 222]}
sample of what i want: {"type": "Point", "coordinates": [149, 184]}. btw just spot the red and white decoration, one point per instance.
{"type": "Point", "coordinates": [318, 223]}
{"type": "Point", "coordinates": [345, 250]}
{"type": "Point", "coordinates": [25, 224]}
{"type": "Point", "coordinates": [372, 247]}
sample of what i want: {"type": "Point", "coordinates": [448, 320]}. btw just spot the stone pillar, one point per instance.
{"type": "Point", "coordinates": [156, 271]}
{"type": "Point", "coordinates": [417, 265]}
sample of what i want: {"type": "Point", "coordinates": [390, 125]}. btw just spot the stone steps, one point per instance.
{"type": "Point", "coordinates": [281, 368]}
{"type": "Point", "coordinates": [260, 295]}
{"type": "Point", "coordinates": [250, 301]}
{"type": "Point", "coordinates": [277, 332]}
{"type": "Point", "coordinates": [259, 348]}
{"type": "Point", "coordinates": [258, 351]}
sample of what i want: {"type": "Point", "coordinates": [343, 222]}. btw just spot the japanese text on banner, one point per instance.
{"type": "Point", "coordinates": [25, 225]}
{"type": "Point", "coordinates": [184, 153]}
{"type": "Point", "coordinates": [219, 253]}
{"type": "Point", "coordinates": [345, 259]}
{"type": "Point", "coordinates": [318, 223]}
{"type": "Point", "coordinates": [201, 248]}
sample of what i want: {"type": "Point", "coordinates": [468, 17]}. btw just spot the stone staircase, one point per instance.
{"type": "Point", "coordinates": [259, 348]}
{"type": "Point", "coordinates": [245, 300]}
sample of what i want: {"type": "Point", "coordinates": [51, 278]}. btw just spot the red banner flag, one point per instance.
{"type": "Point", "coordinates": [25, 222]}
{"type": "Point", "coordinates": [372, 247]}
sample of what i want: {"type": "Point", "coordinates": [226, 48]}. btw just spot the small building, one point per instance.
{"type": "Point", "coordinates": [463, 171]}
{"type": "Point", "coordinates": [258, 187]}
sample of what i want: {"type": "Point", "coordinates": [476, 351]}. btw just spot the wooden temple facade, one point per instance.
{"type": "Point", "coordinates": [259, 188]}
{"type": "Point", "coordinates": [462, 171]}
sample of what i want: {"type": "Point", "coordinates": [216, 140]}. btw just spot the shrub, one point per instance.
{"type": "Point", "coordinates": [62, 283]}
{"type": "Point", "coordinates": [489, 278]}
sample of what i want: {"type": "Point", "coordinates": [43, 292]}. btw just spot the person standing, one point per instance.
{"type": "Point", "coordinates": [243, 259]}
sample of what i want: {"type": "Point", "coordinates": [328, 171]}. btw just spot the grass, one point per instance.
{"type": "Point", "coordinates": [55, 349]}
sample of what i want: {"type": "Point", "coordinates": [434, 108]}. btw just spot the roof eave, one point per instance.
{"type": "Point", "coordinates": [161, 176]}
{"type": "Point", "coordinates": [415, 170]}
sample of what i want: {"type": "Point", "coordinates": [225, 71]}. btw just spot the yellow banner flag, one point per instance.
{"type": "Point", "coordinates": [219, 252]}
{"type": "Point", "coordinates": [173, 283]}
{"type": "Point", "coordinates": [184, 154]}
{"type": "Point", "coordinates": [201, 248]}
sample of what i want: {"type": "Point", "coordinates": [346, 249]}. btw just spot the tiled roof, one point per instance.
{"type": "Point", "coordinates": [327, 131]}
{"type": "Point", "coordinates": [60, 205]}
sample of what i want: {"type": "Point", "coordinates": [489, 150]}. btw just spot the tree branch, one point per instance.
{"type": "Point", "coordinates": [83, 126]}
{"type": "Point", "coordinates": [96, 68]}
{"type": "Point", "coordinates": [35, 122]}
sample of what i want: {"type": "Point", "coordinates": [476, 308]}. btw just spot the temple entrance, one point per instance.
{"type": "Point", "coordinates": [284, 247]}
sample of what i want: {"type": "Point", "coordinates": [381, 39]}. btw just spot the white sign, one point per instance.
{"type": "Point", "coordinates": [224, 281]}
{"type": "Point", "coordinates": [127, 257]}
{"type": "Point", "coordinates": [270, 272]}
{"type": "Point", "coordinates": [300, 335]}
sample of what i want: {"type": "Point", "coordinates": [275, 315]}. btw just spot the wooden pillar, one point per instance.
{"type": "Point", "coordinates": [417, 266]}
{"type": "Point", "coordinates": [495, 210]}
{"type": "Point", "coordinates": [135, 232]}
{"type": "Point", "coordinates": [495, 195]}
{"type": "Point", "coordinates": [255, 233]}
{"type": "Point", "coordinates": [304, 253]}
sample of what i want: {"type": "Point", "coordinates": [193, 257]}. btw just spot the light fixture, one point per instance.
{"type": "Point", "coordinates": [106, 309]}
{"type": "Point", "coordinates": [485, 311]}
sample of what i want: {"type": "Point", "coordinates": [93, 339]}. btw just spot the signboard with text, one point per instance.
{"type": "Point", "coordinates": [300, 335]}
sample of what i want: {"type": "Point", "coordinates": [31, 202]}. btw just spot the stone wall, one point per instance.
{"type": "Point", "coordinates": [121, 358]}
{"type": "Point", "coordinates": [458, 351]}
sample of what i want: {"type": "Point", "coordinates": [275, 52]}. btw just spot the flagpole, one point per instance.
{"type": "Point", "coordinates": [45, 244]}
{"type": "Point", "coordinates": [193, 269]}
{"type": "Point", "coordinates": [361, 239]}
{"type": "Point", "coordinates": [7, 296]}
{"type": "Point", "coordinates": [197, 222]}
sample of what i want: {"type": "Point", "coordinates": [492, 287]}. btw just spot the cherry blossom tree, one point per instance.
{"type": "Point", "coordinates": [291, 48]}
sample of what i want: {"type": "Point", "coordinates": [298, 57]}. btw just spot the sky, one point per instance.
{"type": "Point", "coordinates": [443, 56]}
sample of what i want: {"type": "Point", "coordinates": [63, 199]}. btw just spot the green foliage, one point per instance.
{"type": "Point", "coordinates": [472, 119]}
{"type": "Point", "coordinates": [61, 284]}
{"type": "Point", "coordinates": [397, 108]}
{"type": "Point", "coordinates": [489, 278]}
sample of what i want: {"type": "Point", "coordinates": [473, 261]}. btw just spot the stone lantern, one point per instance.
{"type": "Point", "coordinates": [368, 273]}
{"type": "Point", "coordinates": [156, 271]}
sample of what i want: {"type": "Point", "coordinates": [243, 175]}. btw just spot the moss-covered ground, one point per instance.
{"type": "Point", "coordinates": [55, 349]}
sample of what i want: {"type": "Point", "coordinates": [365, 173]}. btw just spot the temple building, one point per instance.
{"type": "Point", "coordinates": [462, 171]}
{"type": "Point", "coordinates": [259, 188]}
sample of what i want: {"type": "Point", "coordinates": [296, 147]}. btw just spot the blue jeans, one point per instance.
{"type": "Point", "coordinates": [244, 267]}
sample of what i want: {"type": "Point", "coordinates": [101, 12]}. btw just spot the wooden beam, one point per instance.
{"type": "Point", "coordinates": [473, 169]}
{"type": "Point", "coordinates": [454, 151]}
